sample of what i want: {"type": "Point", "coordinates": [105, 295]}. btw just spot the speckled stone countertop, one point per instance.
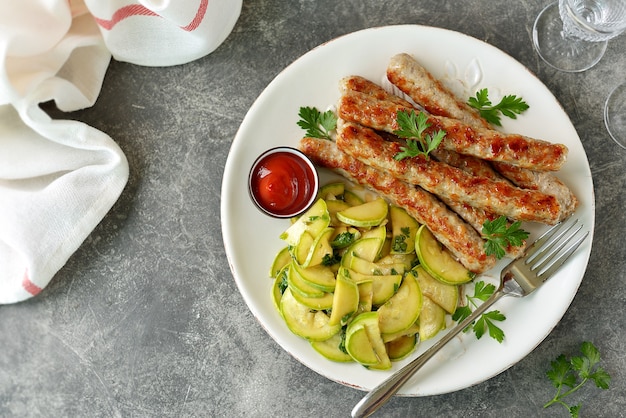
{"type": "Point", "coordinates": [146, 320]}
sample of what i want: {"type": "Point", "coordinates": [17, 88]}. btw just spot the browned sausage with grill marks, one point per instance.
{"type": "Point", "coordinates": [483, 143]}
{"type": "Point", "coordinates": [459, 238]}
{"type": "Point", "coordinates": [421, 86]}
{"type": "Point", "coordinates": [494, 196]}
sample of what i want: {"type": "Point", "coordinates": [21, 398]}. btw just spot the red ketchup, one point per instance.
{"type": "Point", "coordinates": [283, 182]}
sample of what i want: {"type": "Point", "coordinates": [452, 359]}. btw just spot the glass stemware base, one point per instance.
{"type": "Point", "coordinates": [615, 115]}
{"type": "Point", "coordinates": [565, 53]}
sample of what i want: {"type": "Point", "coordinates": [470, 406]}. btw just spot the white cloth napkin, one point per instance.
{"type": "Point", "coordinates": [164, 32]}
{"type": "Point", "coordinates": [58, 178]}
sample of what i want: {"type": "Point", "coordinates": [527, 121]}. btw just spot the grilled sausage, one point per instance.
{"type": "Point", "coordinates": [363, 85]}
{"type": "Point", "coordinates": [418, 83]}
{"type": "Point", "coordinates": [494, 196]}
{"type": "Point", "coordinates": [459, 238]}
{"type": "Point", "coordinates": [542, 181]}
{"type": "Point", "coordinates": [483, 143]}
{"type": "Point", "coordinates": [421, 86]}
{"type": "Point", "coordinates": [476, 217]}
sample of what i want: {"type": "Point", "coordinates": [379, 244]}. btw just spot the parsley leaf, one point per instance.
{"type": "Point", "coordinates": [498, 236]}
{"type": "Point", "coordinates": [343, 240]}
{"type": "Point", "coordinates": [510, 106]}
{"type": "Point", "coordinates": [283, 284]}
{"type": "Point", "coordinates": [399, 243]}
{"type": "Point", "coordinates": [412, 127]}
{"type": "Point", "coordinates": [317, 124]}
{"type": "Point", "coordinates": [574, 373]}
{"type": "Point", "coordinates": [485, 323]}
{"type": "Point", "coordinates": [342, 344]}
{"type": "Point", "coordinates": [330, 259]}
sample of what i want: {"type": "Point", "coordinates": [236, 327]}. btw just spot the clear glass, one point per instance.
{"type": "Point", "coordinates": [593, 20]}
{"type": "Point", "coordinates": [615, 115]}
{"type": "Point", "coordinates": [572, 35]}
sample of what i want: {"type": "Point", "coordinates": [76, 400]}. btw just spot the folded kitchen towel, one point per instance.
{"type": "Point", "coordinates": [58, 178]}
{"type": "Point", "coordinates": [164, 32]}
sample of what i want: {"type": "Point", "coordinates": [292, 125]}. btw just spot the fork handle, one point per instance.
{"type": "Point", "coordinates": [381, 393]}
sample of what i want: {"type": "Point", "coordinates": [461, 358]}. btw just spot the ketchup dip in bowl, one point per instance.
{"type": "Point", "coordinates": [283, 182]}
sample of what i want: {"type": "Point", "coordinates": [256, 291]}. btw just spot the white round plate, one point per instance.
{"type": "Point", "coordinates": [466, 65]}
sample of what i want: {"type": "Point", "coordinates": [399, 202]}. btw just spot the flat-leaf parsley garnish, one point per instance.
{"type": "Point", "coordinates": [510, 106]}
{"type": "Point", "coordinates": [317, 124]}
{"type": "Point", "coordinates": [498, 236]}
{"type": "Point", "coordinates": [574, 373]}
{"type": "Point", "coordinates": [412, 127]}
{"type": "Point", "coordinates": [485, 323]}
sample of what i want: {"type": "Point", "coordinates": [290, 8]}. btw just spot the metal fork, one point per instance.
{"type": "Point", "coordinates": [519, 278]}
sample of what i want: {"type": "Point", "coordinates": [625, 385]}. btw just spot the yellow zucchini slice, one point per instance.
{"type": "Point", "coordinates": [335, 206]}
{"type": "Point", "coordinates": [359, 347]}
{"type": "Point", "coordinates": [319, 304]}
{"type": "Point", "coordinates": [332, 189]}
{"type": "Point", "coordinates": [401, 347]}
{"type": "Point", "coordinates": [366, 248]}
{"type": "Point", "coordinates": [302, 249]}
{"type": "Point", "coordinates": [319, 277]}
{"type": "Point", "coordinates": [345, 301]}
{"type": "Point", "coordinates": [330, 349]}
{"type": "Point", "coordinates": [282, 258]}
{"type": "Point", "coordinates": [402, 309]}
{"type": "Point", "coordinates": [403, 231]}
{"type": "Point", "coordinates": [379, 232]}
{"type": "Point", "coordinates": [432, 319]}
{"type": "Point", "coordinates": [364, 342]}
{"type": "Point", "coordinates": [344, 236]}
{"type": "Point", "coordinates": [277, 290]}
{"type": "Point", "coordinates": [367, 267]}
{"type": "Point", "coordinates": [352, 198]}
{"type": "Point", "coordinates": [296, 283]}
{"type": "Point", "coordinates": [384, 287]}
{"type": "Point", "coordinates": [304, 322]}
{"type": "Point", "coordinates": [437, 261]}
{"type": "Point", "coordinates": [314, 221]}
{"type": "Point", "coordinates": [408, 260]}
{"type": "Point", "coordinates": [412, 330]}
{"type": "Point", "coordinates": [366, 294]}
{"type": "Point", "coordinates": [374, 335]}
{"type": "Point", "coordinates": [319, 249]}
{"type": "Point", "coordinates": [444, 295]}
{"type": "Point", "coordinates": [364, 215]}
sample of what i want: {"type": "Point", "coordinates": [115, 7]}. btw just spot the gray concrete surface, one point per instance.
{"type": "Point", "coordinates": [145, 320]}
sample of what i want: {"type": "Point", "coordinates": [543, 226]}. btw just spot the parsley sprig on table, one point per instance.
{"type": "Point", "coordinates": [412, 127]}
{"type": "Point", "coordinates": [317, 124]}
{"type": "Point", "coordinates": [486, 321]}
{"type": "Point", "coordinates": [509, 106]}
{"type": "Point", "coordinates": [498, 236]}
{"type": "Point", "coordinates": [574, 373]}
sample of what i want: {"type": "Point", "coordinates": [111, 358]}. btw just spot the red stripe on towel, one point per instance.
{"type": "Point", "coordinates": [139, 10]}
{"type": "Point", "coordinates": [204, 4]}
{"type": "Point", "coordinates": [122, 13]}
{"type": "Point", "coordinates": [29, 286]}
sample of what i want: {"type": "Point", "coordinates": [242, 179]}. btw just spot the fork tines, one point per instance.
{"type": "Point", "coordinates": [546, 255]}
